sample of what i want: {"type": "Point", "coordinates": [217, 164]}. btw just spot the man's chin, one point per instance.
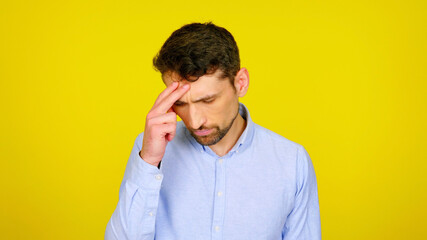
{"type": "Point", "coordinates": [206, 140]}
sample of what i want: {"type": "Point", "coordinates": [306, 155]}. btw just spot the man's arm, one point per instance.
{"type": "Point", "coordinates": [135, 214]}
{"type": "Point", "coordinates": [303, 222]}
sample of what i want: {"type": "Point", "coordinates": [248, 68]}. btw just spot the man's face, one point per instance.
{"type": "Point", "coordinates": [208, 109]}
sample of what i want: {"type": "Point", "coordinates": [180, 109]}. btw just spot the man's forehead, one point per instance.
{"type": "Point", "coordinates": [206, 87]}
{"type": "Point", "coordinates": [201, 89]}
{"type": "Point", "coordinates": [172, 76]}
{"type": "Point", "coordinates": [169, 77]}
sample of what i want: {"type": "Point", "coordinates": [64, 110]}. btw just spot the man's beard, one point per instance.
{"type": "Point", "coordinates": [214, 137]}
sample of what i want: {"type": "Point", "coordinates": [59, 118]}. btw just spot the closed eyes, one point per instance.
{"type": "Point", "coordinates": [207, 101]}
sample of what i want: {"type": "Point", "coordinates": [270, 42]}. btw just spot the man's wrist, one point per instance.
{"type": "Point", "coordinates": [154, 164]}
{"type": "Point", "coordinates": [145, 175]}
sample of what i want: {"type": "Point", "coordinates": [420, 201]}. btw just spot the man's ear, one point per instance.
{"type": "Point", "coordinates": [241, 82]}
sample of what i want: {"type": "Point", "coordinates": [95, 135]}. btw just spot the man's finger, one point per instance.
{"type": "Point", "coordinates": [167, 103]}
{"type": "Point", "coordinates": [166, 92]}
{"type": "Point", "coordinates": [162, 118]}
{"type": "Point", "coordinates": [162, 130]}
{"type": "Point", "coordinates": [155, 114]}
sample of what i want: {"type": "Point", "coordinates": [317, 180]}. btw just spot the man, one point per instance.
{"type": "Point", "coordinates": [215, 174]}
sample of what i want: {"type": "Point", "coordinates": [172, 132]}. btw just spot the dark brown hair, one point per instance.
{"type": "Point", "coordinates": [197, 49]}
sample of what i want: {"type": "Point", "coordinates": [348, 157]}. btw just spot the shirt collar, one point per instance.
{"type": "Point", "coordinates": [242, 143]}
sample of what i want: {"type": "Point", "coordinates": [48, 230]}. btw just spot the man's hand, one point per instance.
{"type": "Point", "coordinates": [160, 124]}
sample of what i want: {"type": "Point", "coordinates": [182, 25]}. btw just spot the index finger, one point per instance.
{"type": "Point", "coordinates": [166, 92]}
{"type": "Point", "coordinates": [168, 101]}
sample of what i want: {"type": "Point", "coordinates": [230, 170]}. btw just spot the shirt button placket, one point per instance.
{"type": "Point", "coordinates": [219, 201]}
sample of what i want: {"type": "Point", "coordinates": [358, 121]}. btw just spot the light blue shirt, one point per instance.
{"type": "Point", "coordinates": [264, 188]}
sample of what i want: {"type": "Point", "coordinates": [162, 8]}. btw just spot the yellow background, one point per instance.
{"type": "Point", "coordinates": [346, 79]}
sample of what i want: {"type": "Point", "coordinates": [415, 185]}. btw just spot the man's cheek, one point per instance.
{"type": "Point", "coordinates": [177, 111]}
{"type": "Point", "coordinates": [181, 115]}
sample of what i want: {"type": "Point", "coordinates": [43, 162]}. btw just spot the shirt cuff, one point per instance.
{"type": "Point", "coordinates": [144, 174]}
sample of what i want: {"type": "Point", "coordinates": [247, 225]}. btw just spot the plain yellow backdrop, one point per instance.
{"type": "Point", "coordinates": [346, 79]}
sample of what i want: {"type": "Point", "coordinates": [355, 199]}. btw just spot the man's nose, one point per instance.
{"type": "Point", "coordinates": [196, 118]}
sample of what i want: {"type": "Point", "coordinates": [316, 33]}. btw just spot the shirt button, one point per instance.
{"type": "Point", "coordinates": [151, 214]}
{"type": "Point", "coordinates": [216, 228]}
{"type": "Point", "coordinates": [158, 177]}
{"type": "Point", "coordinates": [220, 160]}
{"type": "Point", "coordinates": [219, 194]}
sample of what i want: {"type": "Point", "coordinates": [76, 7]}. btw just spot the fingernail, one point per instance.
{"type": "Point", "coordinates": [186, 86]}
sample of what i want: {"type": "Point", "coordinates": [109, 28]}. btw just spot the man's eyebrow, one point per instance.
{"type": "Point", "coordinates": [200, 99]}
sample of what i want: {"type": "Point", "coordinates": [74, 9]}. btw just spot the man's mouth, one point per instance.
{"type": "Point", "coordinates": [203, 132]}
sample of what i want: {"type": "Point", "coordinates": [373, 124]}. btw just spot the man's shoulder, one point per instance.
{"type": "Point", "coordinates": [266, 135]}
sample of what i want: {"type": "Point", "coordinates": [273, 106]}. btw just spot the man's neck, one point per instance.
{"type": "Point", "coordinates": [230, 139]}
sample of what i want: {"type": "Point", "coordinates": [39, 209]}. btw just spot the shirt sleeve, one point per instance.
{"type": "Point", "coordinates": [135, 213]}
{"type": "Point", "coordinates": [303, 222]}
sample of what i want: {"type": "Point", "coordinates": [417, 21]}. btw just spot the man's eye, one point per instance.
{"type": "Point", "coordinates": [208, 101]}
{"type": "Point", "coordinates": [178, 104]}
